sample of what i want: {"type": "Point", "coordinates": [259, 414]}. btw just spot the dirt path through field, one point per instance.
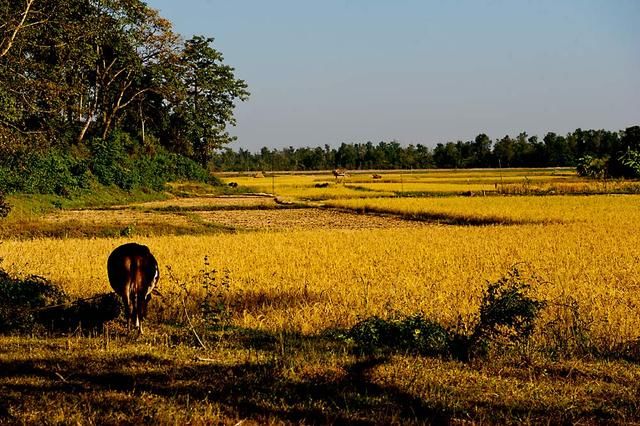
{"type": "Point", "coordinates": [308, 218]}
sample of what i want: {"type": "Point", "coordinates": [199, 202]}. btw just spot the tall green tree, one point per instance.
{"type": "Point", "coordinates": [481, 151]}
{"type": "Point", "coordinates": [208, 92]}
{"type": "Point", "coordinates": [558, 150]}
{"type": "Point", "coordinates": [504, 151]}
{"type": "Point", "coordinates": [77, 68]}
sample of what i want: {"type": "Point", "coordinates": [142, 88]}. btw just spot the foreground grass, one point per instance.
{"type": "Point", "coordinates": [272, 378]}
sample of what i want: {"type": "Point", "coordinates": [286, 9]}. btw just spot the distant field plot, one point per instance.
{"type": "Point", "coordinates": [570, 186]}
{"type": "Point", "coordinates": [596, 209]}
{"type": "Point", "coordinates": [466, 176]}
{"type": "Point", "coordinates": [361, 184]}
{"type": "Point", "coordinates": [425, 187]}
{"type": "Point", "coordinates": [305, 187]}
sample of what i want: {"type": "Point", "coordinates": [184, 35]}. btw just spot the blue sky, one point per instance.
{"type": "Point", "coordinates": [326, 72]}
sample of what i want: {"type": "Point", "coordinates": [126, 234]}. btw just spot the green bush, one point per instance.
{"type": "Point", "coordinates": [44, 173]}
{"type": "Point", "coordinates": [630, 161]}
{"type": "Point", "coordinates": [413, 334]}
{"type": "Point", "coordinates": [593, 167]}
{"type": "Point", "coordinates": [162, 167]}
{"type": "Point", "coordinates": [506, 317]}
{"type": "Point", "coordinates": [110, 163]}
{"type": "Point", "coordinates": [6, 179]}
{"type": "Point", "coordinates": [56, 173]}
{"type": "Point", "coordinates": [21, 301]}
{"type": "Point", "coordinates": [34, 303]}
{"type": "Point", "coordinates": [120, 161]}
{"type": "Point", "coordinates": [625, 165]}
{"type": "Point", "coordinates": [506, 308]}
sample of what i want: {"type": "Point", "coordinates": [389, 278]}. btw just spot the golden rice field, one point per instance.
{"type": "Point", "coordinates": [312, 280]}
{"type": "Point", "coordinates": [313, 269]}
{"type": "Point", "coordinates": [593, 211]}
{"type": "Point", "coordinates": [341, 253]}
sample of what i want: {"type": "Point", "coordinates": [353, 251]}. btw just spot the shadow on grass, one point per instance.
{"type": "Point", "coordinates": [258, 391]}
{"type": "Point", "coordinates": [449, 219]}
{"type": "Point", "coordinates": [289, 379]}
{"type": "Point", "coordinates": [253, 301]}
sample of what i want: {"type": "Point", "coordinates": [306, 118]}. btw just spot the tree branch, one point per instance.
{"type": "Point", "coordinates": [18, 27]}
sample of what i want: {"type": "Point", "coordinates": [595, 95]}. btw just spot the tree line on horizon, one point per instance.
{"type": "Point", "coordinates": [104, 91]}
{"type": "Point", "coordinates": [592, 151]}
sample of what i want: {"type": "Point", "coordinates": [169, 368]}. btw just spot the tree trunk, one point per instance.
{"type": "Point", "coordinates": [85, 127]}
{"type": "Point", "coordinates": [141, 121]}
{"type": "Point", "coordinates": [107, 124]}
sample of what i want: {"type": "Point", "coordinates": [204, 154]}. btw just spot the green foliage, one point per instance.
{"type": "Point", "coordinates": [522, 151]}
{"type": "Point", "coordinates": [110, 163]}
{"type": "Point", "coordinates": [21, 301]}
{"type": "Point", "coordinates": [121, 161]}
{"type": "Point", "coordinates": [631, 161]}
{"type": "Point", "coordinates": [412, 334]}
{"type": "Point", "coordinates": [593, 167]}
{"type": "Point", "coordinates": [208, 91]}
{"type": "Point", "coordinates": [506, 307]}
{"type": "Point", "coordinates": [507, 318]}
{"type": "Point", "coordinates": [608, 155]}
{"type": "Point", "coordinates": [163, 167]}
{"type": "Point", "coordinates": [626, 165]}
{"type": "Point", "coordinates": [52, 172]}
{"type": "Point", "coordinates": [93, 69]}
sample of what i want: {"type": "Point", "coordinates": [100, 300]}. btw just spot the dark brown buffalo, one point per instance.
{"type": "Point", "coordinates": [133, 275]}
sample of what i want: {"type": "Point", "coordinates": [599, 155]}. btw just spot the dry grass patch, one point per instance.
{"type": "Point", "coordinates": [300, 219]}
